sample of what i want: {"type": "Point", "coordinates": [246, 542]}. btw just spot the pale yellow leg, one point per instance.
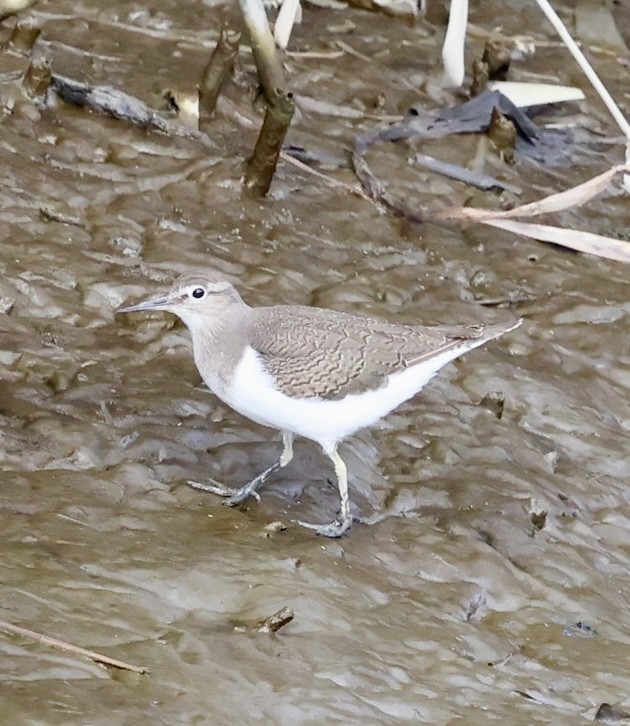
{"type": "Point", "coordinates": [344, 522]}
{"type": "Point", "coordinates": [237, 496]}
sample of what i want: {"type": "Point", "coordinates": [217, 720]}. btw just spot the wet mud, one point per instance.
{"type": "Point", "coordinates": [490, 579]}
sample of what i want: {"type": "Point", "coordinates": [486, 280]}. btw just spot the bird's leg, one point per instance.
{"type": "Point", "coordinates": [237, 496]}
{"type": "Point", "coordinates": [344, 521]}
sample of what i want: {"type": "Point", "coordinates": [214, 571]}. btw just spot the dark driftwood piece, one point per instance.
{"type": "Point", "coordinates": [273, 623]}
{"type": "Point", "coordinates": [612, 714]}
{"type": "Point", "coordinates": [112, 102]}
{"type": "Point", "coordinates": [109, 101]}
{"type": "Point", "coordinates": [270, 624]}
{"type": "Point", "coordinates": [219, 69]}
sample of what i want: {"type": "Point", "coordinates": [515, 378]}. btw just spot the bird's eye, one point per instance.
{"type": "Point", "coordinates": [198, 293]}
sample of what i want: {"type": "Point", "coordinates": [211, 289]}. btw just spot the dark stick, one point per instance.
{"type": "Point", "coordinates": [280, 108]}
{"type": "Point", "coordinates": [264, 160]}
{"type": "Point", "coordinates": [37, 78]}
{"type": "Point", "coordinates": [219, 69]}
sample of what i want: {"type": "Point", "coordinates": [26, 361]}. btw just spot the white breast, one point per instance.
{"type": "Point", "coordinates": [254, 394]}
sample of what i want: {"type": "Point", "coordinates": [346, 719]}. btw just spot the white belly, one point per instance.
{"type": "Point", "coordinates": [253, 394]}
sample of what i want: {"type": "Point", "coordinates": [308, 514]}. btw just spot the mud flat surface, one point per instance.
{"type": "Point", "coordinates": [491, 580]}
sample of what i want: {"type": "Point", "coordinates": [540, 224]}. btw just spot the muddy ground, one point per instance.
{"type": "Point", "coordinates": [491, 580]}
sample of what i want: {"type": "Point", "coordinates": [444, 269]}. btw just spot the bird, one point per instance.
{"type": "Point", "coordinates": [306, 371]}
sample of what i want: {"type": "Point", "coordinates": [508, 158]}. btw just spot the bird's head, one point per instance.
{"type": "Point", "coordinates": [198, 300]}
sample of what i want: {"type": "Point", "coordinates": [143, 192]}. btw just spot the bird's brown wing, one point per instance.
{"type": "Point", "coordinates": [314, 352]}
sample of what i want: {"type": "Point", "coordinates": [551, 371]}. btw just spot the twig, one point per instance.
{"type": "Point", "coordinates": [352, 188]}
{"type": "Point", "coordinates": [273, 623]}
{"type": "Point", "coordinates": [93, 655]}
{"type": "Point", "coordinates": [315, 54]}
{"type": "Point", "coordinates": [346, 48]}
{"type": "Point", "coordinates": [51, 215]}
{"type": "Point", "coordinates": [459, 173]}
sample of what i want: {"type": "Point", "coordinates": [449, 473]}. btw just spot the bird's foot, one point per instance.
{"type": "Point", "coordinates": [334, 529]}
{"type": "Point", "coordinates": [233, 497]}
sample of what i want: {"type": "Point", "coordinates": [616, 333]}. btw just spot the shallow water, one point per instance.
{"type": "Point", "coordinates": [460, 601]}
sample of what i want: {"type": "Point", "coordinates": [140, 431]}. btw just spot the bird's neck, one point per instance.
{"type": "Point", "coordinates": [218, 346]}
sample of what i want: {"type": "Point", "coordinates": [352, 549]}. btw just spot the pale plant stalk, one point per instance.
{"type": "Point", "coordinates": [592, 76]}
{"type": "Point", "coordinates": [287, 16]}
{"type": "Point", "coordinates": [263, 46]}
{"type": "Point", "coordinates": [453, 48]}
{"type": "Point", "coordinates": [588, 69]}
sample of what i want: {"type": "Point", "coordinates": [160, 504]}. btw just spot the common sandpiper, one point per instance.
{"type": "Point", "coordinates": [307, 371]}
